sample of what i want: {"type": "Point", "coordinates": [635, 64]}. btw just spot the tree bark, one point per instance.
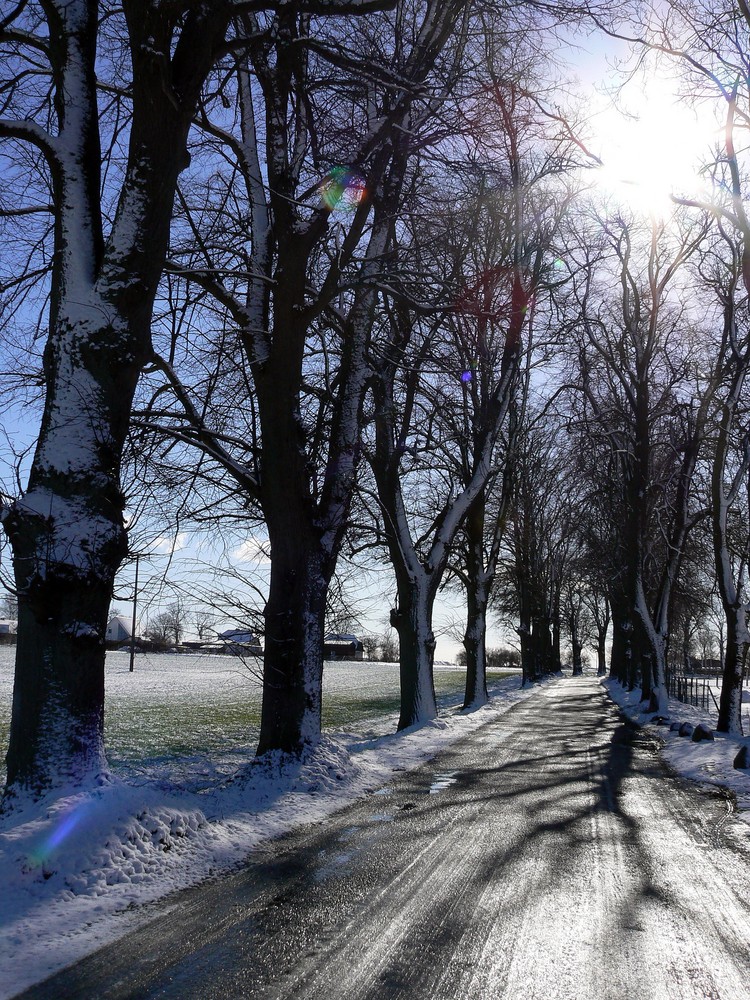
{"type": "Point", "coordinates": [730, 699]}
{"type": "Point", "coordinates": [412, 620]}
{"type": "Point", "coordinates": [478, 584]}
{"type": "Point", "coordinates": [67, 531]}
{"type": "Point", "coordinates": [475, 694]}
{"type": "Point", "coordinates": [601, 652]}
{"type": "Point", "coordinates": [293, 655]}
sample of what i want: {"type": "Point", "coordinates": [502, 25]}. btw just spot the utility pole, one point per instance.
{"type": "Point", "coordinates": [135, 602]}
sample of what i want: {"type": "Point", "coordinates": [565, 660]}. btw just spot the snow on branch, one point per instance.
{"type": "Point", "coordinates": [29, 131]}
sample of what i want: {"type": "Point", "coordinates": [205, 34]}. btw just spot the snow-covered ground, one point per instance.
{"type": "Point", "coordinates": [78, 870]}
{"type": "Point", "coordinates": [707, 762]}
{"type": "Point", "coordinates": [186, 799]}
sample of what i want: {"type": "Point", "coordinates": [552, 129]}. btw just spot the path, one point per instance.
{"type": "Point", "coordinates": [549, 855]}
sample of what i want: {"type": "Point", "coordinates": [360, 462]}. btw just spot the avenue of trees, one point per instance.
{"type": "Point", "coordinates": [338, 274]}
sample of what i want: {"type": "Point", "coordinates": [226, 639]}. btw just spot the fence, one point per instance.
{"type": "Point", "coordinates": [693, 690]}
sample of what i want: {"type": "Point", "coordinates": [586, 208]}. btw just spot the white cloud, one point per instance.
{"type": "Point", "coordinates": [164, 545]}
{"type": "Point", "coordinates": [255, 550]}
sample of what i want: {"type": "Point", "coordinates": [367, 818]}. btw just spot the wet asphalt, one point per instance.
{"type": "Point", "coordinates": [549, 854]}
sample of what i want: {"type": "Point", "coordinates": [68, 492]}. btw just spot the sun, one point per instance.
{"type": "Point", "coordinates": [653, 148]}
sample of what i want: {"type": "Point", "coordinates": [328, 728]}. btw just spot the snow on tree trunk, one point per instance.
{"type": "Point", "coordinates": [413, 622]}
{"type": "Point", "coordinates": [659, 700]}
{"type": "Point", "coordinates": [475, 694]}
{"type": "Point", "coordinates": [67, 531]}
{"type": "Point", "coordinates": [730, 700]}
{"type": "Point", "coordinates": [293, 656]}
{"type": "Point", "coordinates": [68, 540]}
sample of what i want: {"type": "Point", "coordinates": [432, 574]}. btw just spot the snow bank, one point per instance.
{"type": "Point", "coordinates": [708, 762]}
{"type": "Point", "coordinates": [76, 870]}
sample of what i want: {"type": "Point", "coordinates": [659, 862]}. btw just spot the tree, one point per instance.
{"type": "Point", "coordinates": [204, 624]}
{"type": "Point", "coordinates": [389, 647]}
{"type": "Point", "coordinates": [508, 271]}
{"type": "Point", "coordinates": [634, 359]}
{"type": "Point", "coordinates": [729, 463]}
{"type": "Point", "coordinates": [168, 627]}
{"type": "Point", "coordinates": [538, 545]}
{"type": "Point", "coordinates": [370, 643]}
{"type": "Point", "coordinates": [66, 530]}
{"type": "Point", "coordinates": [102, 254]}
{"type": "Point", "coordinates": [292, 306]}
{"type": "Point", "coordinates": [422, 499]}
{"type": "Point", "coordinates": [709, 49]}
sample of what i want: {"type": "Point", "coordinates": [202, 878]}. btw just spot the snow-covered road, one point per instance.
{"type": "Point", "coordinates": [549, 855]}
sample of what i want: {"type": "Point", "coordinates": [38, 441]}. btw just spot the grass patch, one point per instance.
{"type": "Point", "coordinates": [339, 711]}
{"type": "Point", "coordinates": [186, 709]}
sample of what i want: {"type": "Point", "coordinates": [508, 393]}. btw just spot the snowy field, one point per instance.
{"type": "Point", "coordinates": [186, 799]}
{"type": "Point", "coordinates": [188, 719]}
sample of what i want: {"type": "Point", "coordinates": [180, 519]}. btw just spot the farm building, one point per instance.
{"type": "Point", "coordinates": [118, 630]}
{"type": "Point", "coordinates": [342, 647]}
{"type": "Point", "coordinates": [8, 631]}
{"type": "Point", "coordinates": [239, 641]}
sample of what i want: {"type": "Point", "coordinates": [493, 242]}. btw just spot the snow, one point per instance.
{"type": "Point", "coordinates": [78, 869]}
{"type": "Point", "coordinates": [708, 762]}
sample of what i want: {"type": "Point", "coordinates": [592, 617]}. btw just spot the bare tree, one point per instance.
{"type": "Point", "coordinates": [508, 270]}
{"type": "Point", "coordinates": [634, 357]}
{"type": "Point", "coordinates": [106, 250]}
{"type": "Point", "coordinates": [709, 49]}
{"type": "Point", "coordinates": [204, 624]}
{"type": "Point", "coordinates": [101, 251]}
{"type": "Point", "coordinates": [293, 308]}
{"type": "Point", "coordinates": [167, 627]}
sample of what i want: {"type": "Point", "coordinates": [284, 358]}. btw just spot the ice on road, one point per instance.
{"type": "Point", "coordinates": [550, 855]}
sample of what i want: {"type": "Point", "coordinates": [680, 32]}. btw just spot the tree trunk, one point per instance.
{"type": "Point", "coordinates": [301, 565]}
{"type": "Point", "coordinates": [413, 622]}
{"type": "Point", "coordinates": [577, 648]}
{"type": "Point", "coordinates": [65, 561]}
{"type": "Point", "coordinates": [556, 633]}
{"type": "Point", "coordinates": [68, 541]}
{"type": "Point", "coordinates": [659, 699]}
{"type": "Point", "coordinates": [293, 656]}
{"type": "Point", "coordinates": [601, 652]}
{"type": "Point", "coordinates": [542, 648]}
{"type": "Point", "coordinates": [644, 658]}
{"type": "Point", "coordinates": [620, 661]}
{"type": "Point", "coordinates": [730, 700]}
{"type": "Point", "coordinates": [528, 661]}
{"type": "Point", "coordinates": [475, 694]}
{"type": "Point", "coordinates": [478, 584]}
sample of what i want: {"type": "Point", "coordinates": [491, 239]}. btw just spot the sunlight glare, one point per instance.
{"type": "Point", "coordinates": [655, 151]}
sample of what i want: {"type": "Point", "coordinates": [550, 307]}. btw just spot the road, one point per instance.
{"type": "Point", "coordinates": [550, 855]}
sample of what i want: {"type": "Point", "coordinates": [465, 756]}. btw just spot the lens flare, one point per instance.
{"type": "Point", "coordinates": [467, 376]}
{"type": "Point", "coordinates": [344, 188]}
{"type": "Point", "coordinates": [64, 827]}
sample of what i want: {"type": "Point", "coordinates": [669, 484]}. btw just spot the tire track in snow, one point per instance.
{"type": "Point", "coordinates": [558, 860]}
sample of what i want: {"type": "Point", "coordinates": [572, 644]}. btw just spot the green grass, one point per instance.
{"type": "Point", "coordinates": [340, 712]}
{"type": "Point", "coordinates": [147, 729]}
